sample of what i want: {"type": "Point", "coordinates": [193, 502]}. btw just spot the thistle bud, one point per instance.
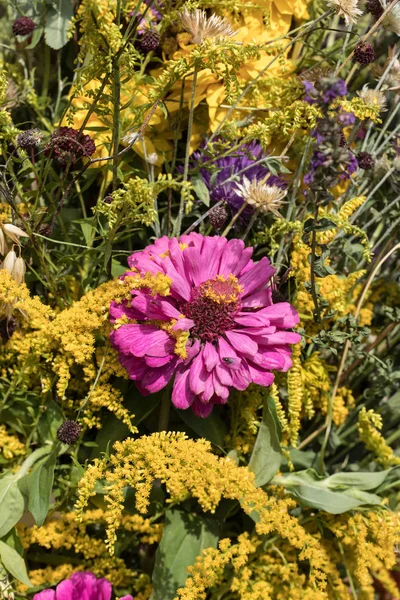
{"type": "Point", "coordinates": [364, 53]}
{"type": "Point", "coordinates": [23, 26]}
{"type": "Point", "coordinates": [69, 432]}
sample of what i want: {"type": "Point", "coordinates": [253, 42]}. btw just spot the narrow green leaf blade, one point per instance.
{"type": "Point", "coordinates": [185, 536]}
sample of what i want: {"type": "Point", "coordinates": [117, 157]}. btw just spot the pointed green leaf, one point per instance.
{"type": "Point", "coordinates": [40, 484]}
{"type": "Point", "coordinates": [266, 457]}
{"type": "Point", "coordinates": [12, 504]}
{"type": "Point", "coordinates": [185, 536]}
{"type": "Point", "coordinates": [14, 563]}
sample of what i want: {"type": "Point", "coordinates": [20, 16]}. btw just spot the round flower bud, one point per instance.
{"type": "Point", "coordinates": [23, 26]}
{"type": "Point", "coordinates": [108, 199]}
{"type": "Point", "coordinates": [150, 40]}
{"type": "Point", "coordinates": [365, 161]}
{"type": "Point", "coordinates": [364, 53]}
{"type": "Point", "coordinates": [30, 139]}
{"type": "Point", "coordinates": [375, 8]}
{"type": "Point", "coordinates": [218, 216]}
{"type": "Point", "coordinates": [67, 145]}
{"type": "Point", "coordinates": [69, 432]}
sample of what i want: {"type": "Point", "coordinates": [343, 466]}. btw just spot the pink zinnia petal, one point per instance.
{"type": "Point", "coordinates": [182, 395]}
{"type": "Point", "coordinates": [258, 299]}
{"type": "Point", "coordinates": [45, 595]}
{"type": "Point", "coordinates": [242, 343]}
{"type": "Point", "coordinates": [198, 374]}
{"type": "Point", "coordinates": [201, 410]}
{"type": "Point", "coordinates": [210, 355]}
{"type": "Point", "coordinates": [257, 277]}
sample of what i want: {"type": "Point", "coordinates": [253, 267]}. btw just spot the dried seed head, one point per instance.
{"type": "Point", "coordinates": [67, 145]}
{"type": "Point", "coordinates": [152, 158]}
{"type": "Point", "coordinates": [29, 139]}
{"type": "Point", "coordinates": [348, 9]}
{"type": "Point", "coordinates": [69, 432]}
{"type": "Point", "coordinates": [364, 53]}
{"type": "Point", "coordinates": [202, 27]}
{"type": "Point", "coordinates": [375, 8]}
{"type": "Point", "coordinates": [391, 21]}
{"type": "Point", "coordinates": [23, 26]}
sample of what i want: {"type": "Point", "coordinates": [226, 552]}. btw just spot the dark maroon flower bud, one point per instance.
{"type": "Point", "coordinates": [67, 146]}
{"type": "Point", "coordinates": [149, 40]}
{"type": "Point", "coordinates": [108, 199]}
{"type": "Point", "coordinates": [23, 26]}
{"type": "Point", "coordinates": [69, 432]}
{"type": "Point", "coordinates": [375, 8]}
{"type": "Point", "coordinates": [364, 53]}
{"type": "Point", "coordinates": [365, 161]}
{"type": "Point", "coordinates": [218, 216]}
{"type": "Point", "coordinates": [29, 139]}
{"type": "Point", "coordinates": [8, 327]}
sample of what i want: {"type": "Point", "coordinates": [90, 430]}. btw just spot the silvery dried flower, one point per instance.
{"type": "Point", "coordinates": [29, 139]}
{"type": "Point", "coordinates": [15, 266]}
{"type": "Point", "coordinates": [261, 196]}
{"type": "Point", "coordinates": [392, 80]}
{"type": "Point", "coordinates": [348, 9]}
{"type": "Point", "coordinates": [202, 27]}
{"type": "Point", "coordinates": [375, 97]}
{"type": "Point", "coordinates": [152, 158]}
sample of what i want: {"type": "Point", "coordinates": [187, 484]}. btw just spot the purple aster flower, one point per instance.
{"type": "Point", "coordinates": [152, 15]}
{"type": "Point", "coordinates": [347, 118]}
{"type": "Point", "coordinates": [80, 586]}
{"type": "Point", "coordinates": [223, 185]}
{"type": "Point", "coordinates": [349, 167]}
{"type": "Point", "coordinates": [325, 91]}
{"type": "Point", "coordinates": [218, 329]}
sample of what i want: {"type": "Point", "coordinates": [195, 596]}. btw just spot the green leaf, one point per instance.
{"type": "Point", "coordinates": [14, 563]}
{"type": "Point", "coordinates": [320, 493]}
{"type": "Point", "coordinates": [362, 481]}
{"type": "Point", "coordinates": [12, 504]}
{"type": "Point", "coordinates": [212, 428]}
{"type": "Point", "coordinates": [40, 484]}
{"type": "Point", "coordinates": [266, 457]}
{"type": "Point", "coordinates": [58, 19]}
{"type": "Point", "coordinates": [184, 537]}
{"type": "Point", "coordinates": [50, 421]}
{"type": "Point", "coordinates": [201, 189]}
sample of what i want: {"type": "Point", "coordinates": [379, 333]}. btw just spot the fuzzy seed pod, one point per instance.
{"type": "Point", "coordinates": [150, 40]}
{"type": "Point", "coordinates": [69, 432]}
{"type": "Point", "coordinates": [23, 26]}
{"type": "Point", "coordinates": [364, 53]}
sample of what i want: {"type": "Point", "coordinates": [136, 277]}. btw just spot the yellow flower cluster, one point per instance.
{"type": "Point", "coordinates": [64, 533]}
{"type": "Point", "coordinates": [188, 468]}
{"type": "Point", "coordinates": [369, 424]}
{"type": "Point", "coordinates": [368, 540]}
{"type": "Point", "coordinates": [10, 446]}
{"type": "Point", "coordinates": [66, 343]}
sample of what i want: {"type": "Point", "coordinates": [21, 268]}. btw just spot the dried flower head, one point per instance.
{"type": "Point", "coordinates": [218, 216]}
{"type": "Point", "coordinates": [391, 20]}
{"type": "Point", "coordinates": [365, 161]}
{"type": "Point", "coordinates": [29, 139]}
{"type": "Point", "coordinates": [202, 27]}
{"type": "Point", "coordinates": [375, 8]}
{"type": "Point", "coordinates": [392, 80]}
{"type": "Point", "coordinates": [348, 9]}
{"type": "Point", "coordinates": [11, 232]}
{"type": "Point", "coordinates": [375, 97]}
{"type": "Point", "coordinates": [67, 145]}
{"type": "Point", "coordinates": [150, 40]}
{"type": "Point", "coordinates": [23, 26]}
{"type": "Point", "coordinates": [261, 196]}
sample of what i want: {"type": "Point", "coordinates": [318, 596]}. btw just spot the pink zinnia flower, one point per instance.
{"type": "Point", "coordinates": [80, 586]}
{"type": "Point", "coordinates": [220, 305]}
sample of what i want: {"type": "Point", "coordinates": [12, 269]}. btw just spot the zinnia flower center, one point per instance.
{"type": "Point", "coordinates": [213, 306]}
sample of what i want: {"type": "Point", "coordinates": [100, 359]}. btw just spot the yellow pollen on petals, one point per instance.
{"type": "Point", "coordinates": [181, 337]}
{"type": "Point", "coordinates": [222, 289]}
